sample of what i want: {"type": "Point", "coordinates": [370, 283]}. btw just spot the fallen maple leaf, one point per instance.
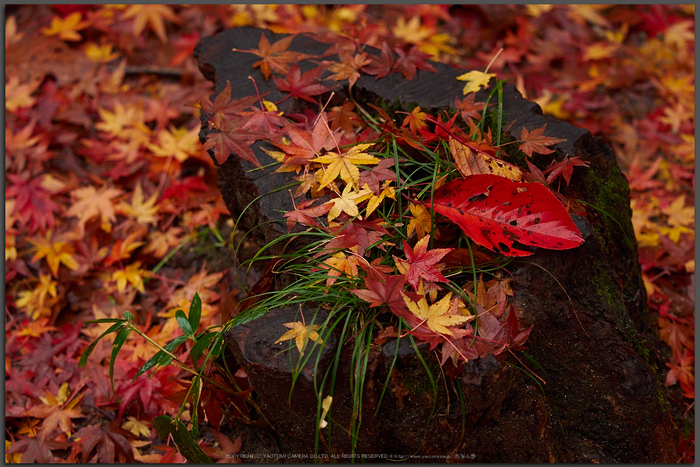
{"type": "Point", "coordinates": [564, 168]}
{"type": "Point", "coordinates": [408, 62]}
{"type": "Point", "coordinates": [496, 213]}
{"type": "Point", "coordinates": [66, 28]}
{"type": "Point", "coordinates": [55, 253]}
{"type": "Point", "coordinates": [152, 15]}
{"type": "Point", "coordinates": [437, 315]}
{"type": "Point", "coordinates": [347, 202]}
{"type": "Point", "coordinates": [343, 164]}
{"type": "Point", "coordinates": [422, 263]}
{"type": "Point", "coordinates": [380, 66]}
{"type": "Point", "coordinates": [302, 86]}
{"type": "Point", "coordinates": [89, 202]}
{"type": "Point", "coordinates": [132, 274]}
{"type": "Point", "coordinates": [33, 203]}
{"type": "Point", "coordinates": [535, 141]}
{"type": "Point", "coordinates": [275, 57]}
{"type": "Point", "coordinates": [142, 212]}
{"type": "Point", "coordinates": [300, 332]}
{"type": "Point", "coordinates": [380, 293]}
{"type": "Point", "coordinates": [475, 80]}
{"type": "Point", "coordinates": [470, 162]}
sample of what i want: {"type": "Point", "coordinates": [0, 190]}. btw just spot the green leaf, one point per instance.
{"type": "Point", "coordinates": [114, 328]}
{"type": "Point", "coordinates": [196, 388]}
{"type": "Point", "coordinates": [183, 323]}
{"type": "Point", "coordinates": [128, 315]}
{"type": "Point", "coordinates": [104, 320]}
{"type": "Point", "coordinates": [195, 311]}
{"type": "Point", "coordinates": [216, 348]}
{"type": "Point", "coordinates": [161, 358]}
{"type": "Point", "coordinates": [202, 343]}
{"type": "Point", "coordinates": [183, 439]}
{"type": "Point", "coordinates": [118, 342]}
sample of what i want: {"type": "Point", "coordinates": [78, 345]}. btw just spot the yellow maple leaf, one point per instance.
{"type": "Point", "coordinates": [343, 165]}
{"type": "Point", "coordinates": [347, 202]}
{"type": "Point", "coordinates": [300, 333]}
{"type": "Point", "coordinates": [55, 253]}
{"type": "Point", "coordinates": [132, 274]}
{"type": "Point", "coordinates": [36, 328]}
{"type": "Point", "coordinates": [339, 264]}
{"type": "Point", "coordinates": [66, 29]}
{"type": "Point", "coordinates": [179, 143]}
{"type": "Point", "coordinates": [475, 79]}
{"type": "Point", "coordinates": [420, 223]}
{"type": "Point", "coordinates": [89, 202]}
{"type": "Point", "coordinates": [152, 15]}
{"type": "Point", "coordinates": [437, 315]}
{"type": "Point", "coordinates": [122, 117]}
{"type": "Point", "coordinates": [143, 211]}
{"type": "Point", "coordinates": [387, 192]}
{"type": "Point", "coordinates": [35, 301]}
{"type": "Point", "coordinates": [411, 31]}
{"type": "Point", "coordinates": [137, 427]}
{"type": "Point", "coordinates": [18, 94]}
{"type": "Point", "coordinates": [470, 162]}
{"type": "Point", "coordinates": [678, 215]}
{"type": "Point", "coordinates": [100, 53]}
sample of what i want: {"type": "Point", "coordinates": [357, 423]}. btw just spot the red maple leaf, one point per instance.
{"type": "Point", "coordinates": [380, 66]}
{"type": "Point", "coordinates": [264, 121]}
{"type": "Point", "coordinates": [33, 203]}
{"type": "Point", "coordinates": [409, 61]}
{"type": "Point", "coordinates": [378, 174]}
{"type": "Point", "coordinates": [383, 293]}
{"type": "Point", "coordinates": [223, 106]}
{"type": "Point", "coordinates": [564, 168]}
{"type": "Point", "coordinates": [36, 449]}
{"type": "Point", "coordinates": [496, 212]}
{"type": "Point", "coordinates": [302, 86]}
{"type": "Point", "coordinates": [235, 140]}
{"type": "Point", "coordinates": [422, 262]}
{"type": "Point", "coordinates": [108, 439]}
{"type": "Point", "coordinates": [360, 233]}
{"type": "Point", "coordinates": [183, 190]}
{"type": "Point", "coordinates": [305, 215]}
{"type": "Point", "coordinates": [308, 143]}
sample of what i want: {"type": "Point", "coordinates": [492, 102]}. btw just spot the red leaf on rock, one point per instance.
{"type": "Point", "coordinates": [409, 61]}
{"type": "Point", "coordinates": [302, 86]}
{"type": "Point", "coordinates": [233, 140]}
{"type": "Point", "coordinates": [380, 66]}
{"type": "Point", "coordinates": [497, 213]}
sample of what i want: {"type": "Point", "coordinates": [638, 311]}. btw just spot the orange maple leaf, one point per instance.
{"type": "Point", "coordinates": [143, 211]}
{"type": "Point", "coordinates": [536, 141]}
{"type": "Point", "coordinates": [275, 57]}
{"type": "Point", "coordinates": [55, 252]}
{"type": "Point", "coordinates": [66, 29]}
{"type": "Point", "coordinates": [153, 15]}
{"type": "Point", "coordinates": [89, 202]}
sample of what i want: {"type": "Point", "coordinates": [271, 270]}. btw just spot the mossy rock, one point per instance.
{"type": "Point", "coordinates": [596, 396]}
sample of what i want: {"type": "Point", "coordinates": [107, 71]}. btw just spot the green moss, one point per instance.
{"type": "Point", "coordinates": [610, 201]}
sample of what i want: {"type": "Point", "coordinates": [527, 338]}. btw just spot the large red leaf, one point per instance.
{"type": "Point", "coordinates": [498, 213]}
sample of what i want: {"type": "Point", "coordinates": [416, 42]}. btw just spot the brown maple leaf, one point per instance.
{"type": "Point", "coordinates": [536, 141]}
